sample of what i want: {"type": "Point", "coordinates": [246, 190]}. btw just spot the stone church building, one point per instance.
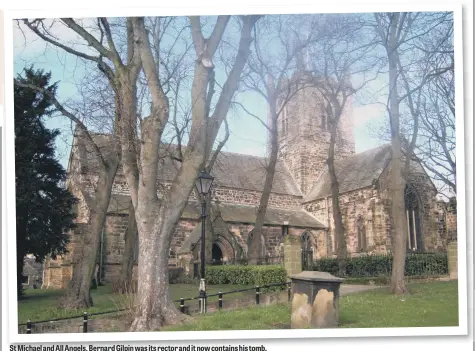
{"type": "Point", "coordinates": [299, 205]}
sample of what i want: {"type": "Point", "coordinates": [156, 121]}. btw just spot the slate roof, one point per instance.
{"type": "Point", "coordinates": [356, 172]}
{"type": "Point", "coordinates": [231, 213]}
{"type": "Point", "coordinates": [231, 170]}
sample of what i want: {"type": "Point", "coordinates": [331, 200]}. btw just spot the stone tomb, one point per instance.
{"type": "Point", "coordinates": [315, 302]}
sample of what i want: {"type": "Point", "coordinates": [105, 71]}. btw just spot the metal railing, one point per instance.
{"type": "Point", "coordinates": [85, 316]}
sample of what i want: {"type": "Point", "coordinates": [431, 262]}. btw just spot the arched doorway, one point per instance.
{"type": "Point", "coordinates": [415, 240]}
{"type": "Point", "coordinates": [217, 255]}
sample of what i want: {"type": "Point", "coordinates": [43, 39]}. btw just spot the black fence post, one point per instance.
{"type": "Point", "coordinates": [28, 327]}
{"type": "Point", "coordinates": [182, 305]}
{"type": "Point", "coordinates": [220, 300]}
{"type": "Point", "coordinates": [258, 292]}
{"type": "Point", "coordinates": [84, 325]}
{"type": "Point", "coordinates": [289, 290]}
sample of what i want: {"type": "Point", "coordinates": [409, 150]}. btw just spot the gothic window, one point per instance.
{"type": "Point", "coordinates": [307, 251]}
{"type": "Point", "coordinates": [413, 219]}
{"type": "Point", "coordinates": [361, 233]}
{"type": "Point", "coordinates": [306, 242]}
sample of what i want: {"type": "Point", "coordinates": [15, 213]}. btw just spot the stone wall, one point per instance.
{"type": "Point", "coordinates": [452, 256]}
{"type": "Point", "coordinates": [222, 194]}
{"type": "Point", "coordinates": [363, 203]}
{"type": "Point", "coordinates": [292, 255]}
{"type": "Point", "coordinates": [59, 271]}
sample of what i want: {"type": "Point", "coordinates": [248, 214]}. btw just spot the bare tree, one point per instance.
{"type": "Point", "coordinates": [156, 220]}
{"type": "Point", "coordinates": [78, 293]}
{"type": "Point", "coordinates": [346, 53]}
{"type": "Point", "coordinates": [121, 76]}
{"type": "Point", "coordinates": [174, 68]}
{"type": "Point", "coordinates": [437, 130]}
{"type": "Point", "coordinates": [399, 32]}
{"type": "Point", "coordinates": [435, 146]}
{"type": "Point", "coordinates": [278, 42]}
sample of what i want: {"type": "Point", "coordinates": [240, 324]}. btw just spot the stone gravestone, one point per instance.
{"type": "Point", "coordinates": [315, 302]}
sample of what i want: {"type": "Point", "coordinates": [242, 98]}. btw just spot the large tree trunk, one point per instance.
{"type": "Point", "coordinates": [124, 283]}
{"type": "Point", "coordinates": [78, 293]}
{"type": "Point", "coordinates": [19, 269]}
{"type": "Point", "coordinates": [156, 221]}
{"type": "Point", "coordinates": [255, 251]}
{"type": "Point", "coordinates": [340, 238]}
{"type": "Point", "coordinates": [399, 229]}
{"type": "Point", "coordinates": [156, 227]}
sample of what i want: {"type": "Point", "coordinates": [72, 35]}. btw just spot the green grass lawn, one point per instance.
{"type": "Point", "coordinates": [42, 304]}
{"type": "Point", "coordinates": [428, 305]}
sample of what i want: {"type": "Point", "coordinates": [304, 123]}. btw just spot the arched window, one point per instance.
{"type": "Point", "coordinates": [413, 219]}
{"type": "Point", "coordinates": [307, 251]}
{"type": "Point", "coordinates": [361, 233]}
{"type": "Point", "coordinates": [306, 241]}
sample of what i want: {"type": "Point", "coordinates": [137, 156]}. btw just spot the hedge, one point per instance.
{"type": "Point", "coordinates": [422, 264]}
{"type": "Point", "coordinates": [247, 275]}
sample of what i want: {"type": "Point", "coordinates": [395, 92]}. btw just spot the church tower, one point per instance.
{"type": "Point", "coordinates": [304, 135]}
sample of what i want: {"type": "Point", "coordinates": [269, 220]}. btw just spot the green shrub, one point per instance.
{"type": "Point", "coordinates": [247, 275]}
{"type": "Point", "coordinates": [417, 264]}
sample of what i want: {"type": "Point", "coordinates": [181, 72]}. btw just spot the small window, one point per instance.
{"type": "Point", "coordinates": [285, 121]}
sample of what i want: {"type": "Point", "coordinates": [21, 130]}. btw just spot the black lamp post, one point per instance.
{"type": "Point", "coordinates": [203, 184]}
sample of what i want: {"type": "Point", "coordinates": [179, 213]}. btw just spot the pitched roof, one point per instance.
{"type": "Point", "coordinates": [356, 172]}
{"type": "Point", "coordinates": [231, 213]}
{"type": "Point", "coordinates": [230, 170]}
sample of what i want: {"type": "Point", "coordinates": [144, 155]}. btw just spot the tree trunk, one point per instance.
{"type": "Point", "coordinates": [156, 225]}
{"type": "Point", "coordinates": [156, 220]}
{"type": "Point", "coordinates": [124, 283]}
{"type": "Point", "coordinates": [255, 251]}
{"type": "Point", "coordinates": [78, 293]}
{"type": "Point", "coordinates": [19, 269]}
{"type": "Point", "coordinates": [340, 238]}
{"type": "Point", "coordinates": [399, 229]}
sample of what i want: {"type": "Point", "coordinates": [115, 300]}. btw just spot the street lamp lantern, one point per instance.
{"type": "Point", "coordinates": [203, 184]}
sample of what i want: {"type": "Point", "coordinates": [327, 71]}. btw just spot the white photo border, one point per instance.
{"type": "Point", "coordinates": [9, 225]}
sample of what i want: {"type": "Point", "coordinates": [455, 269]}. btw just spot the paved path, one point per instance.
{"type": "Point", "coordinates": [346, 289]}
